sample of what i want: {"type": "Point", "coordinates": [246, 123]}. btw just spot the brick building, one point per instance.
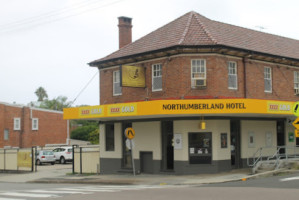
{"type": "Point", "coordinates": [24, 127]}
{"type": "Point", "coordinates": [212, 94]}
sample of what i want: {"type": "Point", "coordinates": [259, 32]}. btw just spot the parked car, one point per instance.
{"type": "Point", "coordinates": [63, 154]}
{"type": "Point", "coordinates": [45, 156]}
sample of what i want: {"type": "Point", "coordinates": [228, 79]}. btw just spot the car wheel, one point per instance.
{"type": "Point", "coordinates": [52, 163]}
{"type": "Point", "coordinates": [38, 162]}
{"type": "Point", "coordinates": [62, 160]}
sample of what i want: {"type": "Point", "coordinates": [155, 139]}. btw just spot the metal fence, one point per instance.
{"type": "Point", "coordinates": [15, 159]}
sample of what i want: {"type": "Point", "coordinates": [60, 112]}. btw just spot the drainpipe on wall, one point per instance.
{"type": "Point", "coordinates": [245, 81]}
{"type": "Point", "coordinates": [68, 132]}
{"type": "Point", "coordinates": [22, 128]}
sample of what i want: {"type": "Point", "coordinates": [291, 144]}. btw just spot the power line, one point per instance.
{"type": "Point", "coordinates": [48, 14]}
{"type": "Point", "coordinates": [37, 22]}
{"type": "Point", "coordinates": [85, 87]}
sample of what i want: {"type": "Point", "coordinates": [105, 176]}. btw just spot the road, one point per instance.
{"type": "Point", "coordinates": [272, 188]}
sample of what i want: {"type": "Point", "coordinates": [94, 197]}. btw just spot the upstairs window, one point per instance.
{"type": "Point", "coordinates": [6, 134]}
{"type": "Point", "coordinates": [34, 124]}
{"type": "Point", "coordinates": [232, 76]}
{"type": "Point", "coordinates": [157, 77]}
{"type": "Point", "coordinates": [17, 124]}
{"type": "Point", "coordinates": [268, 79]}
{"type": "Point", "coordinates": [296, 83]}
{"type": "Point", "coordinates": [198, 73]}
{"type": "Point", "coordinates": [116, 83]}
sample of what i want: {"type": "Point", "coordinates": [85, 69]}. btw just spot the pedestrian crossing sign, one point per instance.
{"type": "Point", "coordinates": [296, 109]}
{"type": "Point", "coordinates": [130, 133]}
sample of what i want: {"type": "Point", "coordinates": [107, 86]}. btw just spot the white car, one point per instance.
{"type": "Point", "coordinates": [63, 154]}
{"type": "Point", "coordinates": [45, 156]}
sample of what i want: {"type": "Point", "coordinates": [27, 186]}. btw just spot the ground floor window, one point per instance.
{"type": "Point", "coordinates": [109, 137]}
{"type": "Point", "coordinates": [200, 148]}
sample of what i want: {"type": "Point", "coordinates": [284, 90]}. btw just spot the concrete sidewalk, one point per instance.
{"type": "Point", "coordinates": [64, 176]}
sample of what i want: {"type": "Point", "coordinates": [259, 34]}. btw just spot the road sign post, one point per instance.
{"type": "Point", "coordinates": [130, 134]}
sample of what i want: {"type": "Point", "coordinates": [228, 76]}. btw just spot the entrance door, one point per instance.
{"type": "Point", "coordinates": [167, 148]}
{"type": "Point", "coordinates": [127, 157]}
{"type": "Point", "coordinates": [281, 135]}
{"type": "Point", "coordinates": [235, 142]}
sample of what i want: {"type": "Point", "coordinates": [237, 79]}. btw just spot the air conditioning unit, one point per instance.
{"type": "Point", "coordinates": [200, 83]}
{"type": "Point", "coordinates": [296, 91]}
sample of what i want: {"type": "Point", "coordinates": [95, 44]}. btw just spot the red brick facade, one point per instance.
{"type": "Point", "coordinates": [52, 129]}
{"type": "Point", "coordinates": [176, 79]}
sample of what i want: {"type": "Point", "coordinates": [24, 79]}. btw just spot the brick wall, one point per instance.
{"type": "Point", "coordinates": [177, 81]}
{"type": "Point", "coordinates": [52, 129]}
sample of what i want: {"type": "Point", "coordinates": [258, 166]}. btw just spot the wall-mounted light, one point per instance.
{"type": "Point", "coordinates": [202, 123]}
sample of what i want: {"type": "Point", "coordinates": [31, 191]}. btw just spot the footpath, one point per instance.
{"type": "Point", "coordinates": [62, 174]}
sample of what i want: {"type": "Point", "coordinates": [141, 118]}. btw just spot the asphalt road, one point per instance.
{"type": "Point", "coordinates": [271, 188]}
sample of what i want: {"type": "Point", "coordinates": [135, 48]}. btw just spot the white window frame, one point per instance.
{"type": "Point", "coordinates": [156, 74]}
{"type": "Point", "coordinates": [17, 124]}
{"type": "Point", "coordinates": [268, 77]}
{"type": "Point", "coordinates": [6, 134]}
{"type": "Point", "coordinates": [34, 124]}
{"type": "Point", "coordinates": [233, 73]}
{"type": "Point", "coordinates": [116, 83]}
{"type": "Point", "coordinates": [198, 71]}
{"type": "Point", "coordinates": [296, 81]}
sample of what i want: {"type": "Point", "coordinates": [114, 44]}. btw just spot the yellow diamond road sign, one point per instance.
{"type": "Point", "coordinates": [296, 123]}
{"type": "Point", "coordinates": [296, 109]}
{"type": "Point", "coordinates": [130, 133]}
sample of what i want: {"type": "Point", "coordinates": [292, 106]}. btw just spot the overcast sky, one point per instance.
{"type": "Point", "coordinates": [48, 43]}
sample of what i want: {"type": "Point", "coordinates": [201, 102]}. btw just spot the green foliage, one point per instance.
{"type": "Point", "coordinates": [88, 132]}
{"type": "Point", "coordinates": [56, 104]}
{"type": "Point", "coordinates": [94, 136]}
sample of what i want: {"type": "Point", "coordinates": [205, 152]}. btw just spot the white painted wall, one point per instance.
{"type": "Point", "coordinates": [259, 129]}
{"type": "Point", "coordinates": [117, 153]}
{"type": "Point", "coordinates": [148, 138]}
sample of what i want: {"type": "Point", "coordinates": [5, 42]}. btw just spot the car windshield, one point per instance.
{"type": "Point", "coordinates": [48, 153]}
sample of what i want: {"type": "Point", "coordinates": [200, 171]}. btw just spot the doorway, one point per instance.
{"type": "Point", "coordinates": [235, 142]}
{"type": "Point", "coordinates": [280, 135]}
{"type": "Point", "coordinates": [127, 157]}
{"type": "Point", "coordinates": [167, 146]}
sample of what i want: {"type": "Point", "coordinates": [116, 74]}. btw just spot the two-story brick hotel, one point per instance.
{"type": "Point", "coordinates": [201, 95]}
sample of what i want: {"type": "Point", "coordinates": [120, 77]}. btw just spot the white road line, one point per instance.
{"type": "Point", "coordinates": [21, 194]}
{"type": "Point", "coordinates": [290, 179]}
{"type": "Point", "coordinates": [57, 192]}
{"type": "Point", "coordinates": [90, 190]}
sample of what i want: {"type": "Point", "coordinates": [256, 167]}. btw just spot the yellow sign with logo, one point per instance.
{"type": "Point", "coordinates": [132, 76]}
{"type": "Point", "coordinates": [182, 107]}
{"type": "Point", "coordinates": [282, 107]}
{"type": "Point", "coordinates": [127, 109]}
{"type": "Point", "coordinates": [297, 133]}
{"type": "Point", "coordinates": [91, 111]}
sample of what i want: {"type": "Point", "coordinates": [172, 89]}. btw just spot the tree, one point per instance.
{"type": "Point", "coordinates": [41, 93]}
{"type": "Point", "coordinates": [87, 131]}
{"type": "Point", "coordinates": [56, 104]}
{"type": "Point", "coordinates": [94, 136]}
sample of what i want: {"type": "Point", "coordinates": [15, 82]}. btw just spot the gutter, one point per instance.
{"type": "Point", "coordinates": [178, 49]}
